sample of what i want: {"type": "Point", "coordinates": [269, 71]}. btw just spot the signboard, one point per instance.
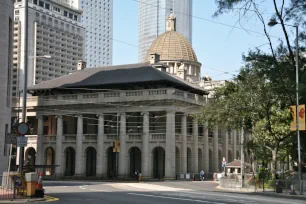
{"type": "Point", "coordinates": [22, 128]}
{"type": "Point", "coordinates": [11, 139]}
{"type": "Point", "coordinates": [187, 176]}
{"type": "Point", "coordinates": [181, 176]}
{"type": "Point", "coordinates": [116, 146]}
{"type": "Point", "coordinates": [22, 141]}
{"type": "Point", "coordinates": [301, 114]}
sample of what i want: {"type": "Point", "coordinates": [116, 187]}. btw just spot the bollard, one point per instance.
{"type": "Point", "coordinates": [292, 190]}
{"type": "Point", "coordinates": [31, 183]}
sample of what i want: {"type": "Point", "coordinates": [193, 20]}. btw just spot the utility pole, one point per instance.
{"type": "Point", "coordinates": [297, 109]}
{"type": "Point", "coordinates": [242, 157]}
{"type": "Point", "coordinates": [25, 85]}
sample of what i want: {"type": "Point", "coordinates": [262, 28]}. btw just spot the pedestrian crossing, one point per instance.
{"type": "Point", "coordinates": [145, 187]}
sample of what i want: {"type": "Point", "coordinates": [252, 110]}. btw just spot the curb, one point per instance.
{"type": "Point", "coordinates": [267, 193]}
{"type": "Point", "coordinates": [22, 200]}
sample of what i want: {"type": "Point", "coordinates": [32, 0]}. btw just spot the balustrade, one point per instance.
{"type": "Point", "coordinates": [158, 136]}
{"type": "Point", "coordinates": [219, 140]}
{"type": "Point", "coordinates": [90, 137]}
{"type": "Point", "coordinates": [70, 137]}
{"type": "Point", "coordinates": [134, 136]}
{"type": "Point", "coordinates": [189, 138]}
{"type": "Point", "coordinates": [200, 139]}
{"type": "Point", "coordinates": [210, 140]}
{"type": "Point", "coordinates": [177, 137]}
{"type": "Point", "coordinates": [111, 136]}
{"type": "Point", "coordinates": [49, 138]}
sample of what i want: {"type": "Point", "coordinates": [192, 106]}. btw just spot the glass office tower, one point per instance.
{"type": "Point", "coordinates": [97, 18]}
{"type": "Point", "coordinates": [152, 16]}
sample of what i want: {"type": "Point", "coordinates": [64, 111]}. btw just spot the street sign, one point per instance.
{"type": "Point", "coordinates": [22, 141]}
{"type": "Point", "coordinates": [11, 138]}
{"type": "Point", "coordinates": [23, 128]}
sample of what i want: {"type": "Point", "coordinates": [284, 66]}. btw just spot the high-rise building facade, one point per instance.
{"type": "Point", "coordinates": [54, 29]}
{"type": "Point", "coordinates": [152, 16]}
{"type": "Point", "coordinates": [6, 62]}
{"type": "Point", "coordinates": [97, 18]}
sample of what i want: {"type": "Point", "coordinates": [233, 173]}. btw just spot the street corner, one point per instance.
{"type": "Point", "coordinates": [50, 199]}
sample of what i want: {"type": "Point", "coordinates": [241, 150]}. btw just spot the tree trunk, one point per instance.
{"type": "Point", "coordinates": [273, 167]}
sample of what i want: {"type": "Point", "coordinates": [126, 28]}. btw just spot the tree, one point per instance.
{"type": "Point", "coordinates": [272, 132]}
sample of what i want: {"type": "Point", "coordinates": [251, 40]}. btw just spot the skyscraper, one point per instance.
{"type": "Point", "coordinates": [6, 63]}
{"type": "Point", "coordinates": [97, 18]}
{"type": "Point", "coordinates": [55, 30]}
{"type": "Point", "coordinates": [152, 20]}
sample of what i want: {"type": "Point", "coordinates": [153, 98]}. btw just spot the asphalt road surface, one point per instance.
{"type": "Point", "coordinates": [168, 192]}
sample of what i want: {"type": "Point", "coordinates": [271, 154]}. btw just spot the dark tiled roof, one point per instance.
{"type": "Point", "coordinates": [128, 76]}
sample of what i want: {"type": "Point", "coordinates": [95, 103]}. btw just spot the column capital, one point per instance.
{"type": "Point", "coordinates": [39, 117]}
{"type": "Point", "coordinates": [145, 113]}
{"type": "Point", "coordinates": [59, 116]}
{"type": "Point", "coordinates": [100, 115]}
{"type": "Point", "coordinates": [79, 115]}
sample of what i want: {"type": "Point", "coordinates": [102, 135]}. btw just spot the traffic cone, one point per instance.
{"type": "Point", "coordinates": [39, 183]}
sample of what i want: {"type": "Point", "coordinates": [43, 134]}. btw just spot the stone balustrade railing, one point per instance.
{"type": "Point", "coordinates": [90, 137]}
{"type": "Point", "coordinates": [49, 138]}
{"type": "Point", "coordinates": [158, 136]}
{"type": "Point", "coordinates": [200, 139]}
{"type": "Point", "coordinates": [220, 141]}
{"type": "Point", "coordinates": [69, 137]}
{"type": "Point", "coordinates": [137, 95]}
{"type": "Point", "coordinates": [111, 137]}
{"type": "Point", "coordinates": [189, 138]}
{"type": "Point", "coordinates": [210, 140]}
{"type": "Point", "coordinates": [135, 136]}
{"type": "Point", "coordinates": [178, 137]}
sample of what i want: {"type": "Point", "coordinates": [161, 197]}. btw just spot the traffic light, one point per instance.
{"type": "Point", "coordinates": [116, 146]}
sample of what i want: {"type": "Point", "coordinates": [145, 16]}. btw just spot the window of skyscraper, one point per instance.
{"type": "Point", "coordinates": [65, 13]}
{"type": "Point", "coordinates": [47, 6]}
{"type": "Point", "coordinates": [41, 4]}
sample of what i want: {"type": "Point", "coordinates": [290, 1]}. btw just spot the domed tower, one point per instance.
{"type": "Point", "coordinates": [174, 50]}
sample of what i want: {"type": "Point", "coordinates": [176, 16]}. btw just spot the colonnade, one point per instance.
{"type": "Point", "coordinates": [170, 145]}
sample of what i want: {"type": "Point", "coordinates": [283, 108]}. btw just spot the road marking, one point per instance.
{"type": "Point", "coordinates": [81, 187]}
{"type": "Point", "coordinates": [51, 199]}
{"type": "Point", "coordinates": [172, 198]}
{"type": "Point", "coordinates": [145, 187]}
{"type": "Point", "coordinates": [99, 190]}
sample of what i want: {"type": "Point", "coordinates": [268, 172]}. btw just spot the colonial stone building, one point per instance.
{"type": "Point", "coordinates": [148, 107]}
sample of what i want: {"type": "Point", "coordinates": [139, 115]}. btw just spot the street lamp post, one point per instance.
{"type": "Point", "coordinates": [271, 24]}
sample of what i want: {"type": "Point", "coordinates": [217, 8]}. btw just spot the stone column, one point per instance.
{"type": "Point", "coordinates": [40, 141]}
{"type": "Point", "coordinates": [234, 137]}
{"type": "Point", "coordinates": [206, 149]}
{"type": "Point", "coordinates": [59, 146]}
{"type": "Point", "coordinates": [122, 168]}
{"type": "Point", "coordinates": [79, 147]}
{"type": "Point", "coordinates": [145, 154]}
{"type": "Point", "coordinates": [215, 151]}
{"type": "Point", "coordinates": [225, 144]}
{"type": "Point", "coordinates": [170, 146]}
{"type": "Point", "coordinates": [184, 144]}
{"type": "Point", "coordinates": [101, 170]}
{"type": "Point", "coordinates": [195, 133]}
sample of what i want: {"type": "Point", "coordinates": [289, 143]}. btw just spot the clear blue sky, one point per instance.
{"type": "Point", "coordinates": [217, 47]}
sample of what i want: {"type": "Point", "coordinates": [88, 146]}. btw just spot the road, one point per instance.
{"type": "Point", "coordinates": [168, 192]}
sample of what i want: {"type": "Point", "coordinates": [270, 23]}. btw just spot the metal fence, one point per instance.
{"type": "Point", "coordinates": [258, 185]}
{"type": "Point", "coordinates": [10, 189]}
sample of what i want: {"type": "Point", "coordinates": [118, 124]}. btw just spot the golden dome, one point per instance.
{"type": "Point", "coordinates": [171, 45]}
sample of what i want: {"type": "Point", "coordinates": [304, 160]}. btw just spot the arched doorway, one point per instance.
{"type": "Point", "coordinates": [49, 160]}
{"type": "Point", "coordinates": [135, 160]}
{"type": "Point", "coordinates": [210, 161]}
{"type": "Point", "coordinates": [177, 160]}
{"type": "Point", "coordinates": [111, 162]}
{"type": "Point", "coordinates": [200, 160]}
{"type": "Point", "coordinates": [220, 157]}
{"type": "Point", "coordinates": [30, 156]}
{"type": "Point", "coordinates": [158, 162]}
{"type": "Point", "coordinates": [69, 161]}
{"type": "Point", "coordinates": [230, 156]}
{"type": "Point", "coordinates": [189, 160]}
{"type": "Point", "coordinates": [91, 159]}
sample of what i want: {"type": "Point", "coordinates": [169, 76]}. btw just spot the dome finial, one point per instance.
{"type": "Point", "coordinates": [171, 22]}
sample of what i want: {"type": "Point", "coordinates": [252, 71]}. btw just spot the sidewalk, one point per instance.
{"type": "Point", "coordinates": [7, 196]}
{"type": "Point", "coordinates": [22, 200]}
{"type": "Point", "coordinates": [267, 192]}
